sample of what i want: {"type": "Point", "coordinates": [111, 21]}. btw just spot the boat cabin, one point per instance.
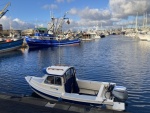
{"type": "Point", "coordinates": [63, 79]}
{"type": "Point", "coordinates": [62, 76]}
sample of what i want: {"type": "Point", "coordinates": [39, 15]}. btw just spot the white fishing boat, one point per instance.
{"type": "Point", "coordinates": [60, 83]}
{"type": "Point", "coordinates": [90, 36]}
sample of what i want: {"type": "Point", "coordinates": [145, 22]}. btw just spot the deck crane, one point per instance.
{"type": "Point", "coordinates": [4, 10]}
{"type": "Point", "coordinates": [59, 27]}
{"type": "Point", "coordinates": [56, 24]}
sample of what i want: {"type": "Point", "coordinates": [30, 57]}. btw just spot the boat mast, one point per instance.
{"type": "Point", "coordinates": [56, 26]}
{"type": "Point", "coordinates": [4, 10]}
{"type": "Point", "coordinates": [51, 25]}
{"type": "Point", "coordinates": [146, 20]}
{"type": "Point", "coordinates": [136, 22]}
{"type": "Point", "coordinates": [59, 29]}
{"type": "Point", "coordinates": [53, 22]}
{"type": "Point", "coordinates": [143, 20]}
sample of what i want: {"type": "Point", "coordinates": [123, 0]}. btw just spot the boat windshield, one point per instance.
{"type": "Point", "coordinates": [55, 80]}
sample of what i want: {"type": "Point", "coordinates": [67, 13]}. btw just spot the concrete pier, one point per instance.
{"type": "Point", "coordinates": [27, 104]}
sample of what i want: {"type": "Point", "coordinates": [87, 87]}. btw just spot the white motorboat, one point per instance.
{"type": "Point", "coordinates": [60, 82]}
{"type": "Point", "coordinates": [142, 37]}
{"type": "Point", "coordinates": [90, 35]}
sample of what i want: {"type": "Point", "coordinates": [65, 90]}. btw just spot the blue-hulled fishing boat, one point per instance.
{"type": "Point", "coordinates": [48, 40]}
{"type": "Point", "coordinates": [51, 37]}
{"type": "Point", "coordinates": [10, 44]}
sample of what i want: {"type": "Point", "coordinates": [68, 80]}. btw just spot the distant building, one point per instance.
{"type": "Point", "coordinates": [28, 32]}
{"type": "Point", "coordinates": [8, 32]}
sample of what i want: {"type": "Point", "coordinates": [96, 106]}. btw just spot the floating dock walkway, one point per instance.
{"type": "Point", "coordinates": [27, 104]}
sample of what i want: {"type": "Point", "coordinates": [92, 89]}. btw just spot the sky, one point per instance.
{"type": "Point", "coordinates": [82, 14]}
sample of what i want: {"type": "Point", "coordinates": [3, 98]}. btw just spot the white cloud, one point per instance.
{"type": "Point", "coordinates": [91, 14]}
{"type": "Point", "coordinates": [88, 17]}
{"type": "Point", "coordinates": [118, 10]}
{"type": "Point", "coordinates": [51, 6]}
{"type": "Point", "coordinates": [73, 11]}
{"type": "Point", "coordinates": [59, 1]}
{"type": "Point", "coordinates": [91, 17]}
{"type": "Point", "coordinates": [5, 22]}
{"type": "Point", "coordinates": [125, 8]}
{"type": "Point", "coordinates": [70, 1]}
{"type": "Point", "coordinates": [16, 23]}
{"type": "Point", "coordinates": [122, 10]}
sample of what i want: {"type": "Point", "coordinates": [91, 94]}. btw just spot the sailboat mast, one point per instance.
{"type": "Point", "coordinates": [136, 22]}
{"type": "Point", "coordinates": [146, 20]}
{"type": "Point", "coordinates": [143, 20]}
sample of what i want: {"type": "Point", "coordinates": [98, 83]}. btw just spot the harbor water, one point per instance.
{"type": "Point", "coordinates": [116, 58]}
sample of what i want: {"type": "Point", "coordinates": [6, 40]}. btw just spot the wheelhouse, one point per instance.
{"type": "Point", "coordinates": [62, 76]}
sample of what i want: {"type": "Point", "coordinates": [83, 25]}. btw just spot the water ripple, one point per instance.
{"type": "Point", "coordinates": [118, 59]}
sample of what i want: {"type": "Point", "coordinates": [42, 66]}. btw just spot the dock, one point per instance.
{"type": "Point", "coordinates": [27, 104]}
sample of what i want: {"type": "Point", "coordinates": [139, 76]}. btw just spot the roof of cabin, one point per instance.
{"type": "Point", "coordinates": [41, 28]}
{"type": "Point", "coordinates": [57, 70]}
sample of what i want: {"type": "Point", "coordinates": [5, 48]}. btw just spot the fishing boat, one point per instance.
{"type": "Point", "coordinates": [52, 36]}
{"type": "Point", "coordinates": [90, 35]}
{"type": "Point", "coordinates": [60, 83]}
{"type": "Point", "coordinates": [48, 40]}
{"type": "Point", "coordinates": [10, 44]}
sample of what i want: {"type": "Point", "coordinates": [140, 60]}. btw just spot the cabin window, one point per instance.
{"type": "Point", "coordinates": [58, 81]}
{"type": "Point", "coordinates": [53, 80]}
{"type": "Point", "coordinates": [49, 80]}
{"type": "Point", "coordinates": [68, 74]}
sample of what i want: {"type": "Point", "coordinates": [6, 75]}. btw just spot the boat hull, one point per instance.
{"type": "Point", "coordinates": [65, 42]}
{"type": "Point", "coordinates": [38, 43]}
{"type": "Point", "coordinates": [119, 106]}
{"type": "Point", "coordinates": [9, 46]}
{"type": "Point", "coordinates": [50, 97]}
{"type": "Point", "coordinates": [143, 37]}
